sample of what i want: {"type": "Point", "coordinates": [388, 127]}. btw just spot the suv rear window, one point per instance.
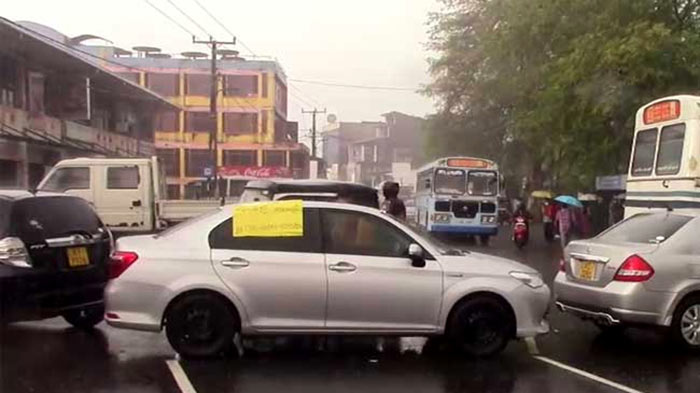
{"type": "Point", "coordinates": [37, 219]}
{"type": "Point", "coordinates": [645, 228]}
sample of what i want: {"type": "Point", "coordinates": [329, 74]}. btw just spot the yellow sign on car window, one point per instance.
{"type": "Point", "coordinates": [269, 219]}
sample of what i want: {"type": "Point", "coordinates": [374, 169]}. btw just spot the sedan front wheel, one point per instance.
{"type": "Point", "coordinates": [481, 326]}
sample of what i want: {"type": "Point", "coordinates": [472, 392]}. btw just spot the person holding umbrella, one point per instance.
{"type": "Point", "coordinates": [565, 218]}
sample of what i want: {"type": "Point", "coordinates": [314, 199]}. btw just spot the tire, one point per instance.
{"type": "Point", "coordinates": [200, 325]}
{"type": "Point", "coordinates": [481, 327]}
{"type": "Point", "coordinates": [484, 239]}
{"type": "Point", "coordinates": [85, 318]}
{"type": "Point", "coordinates": [685, 327]}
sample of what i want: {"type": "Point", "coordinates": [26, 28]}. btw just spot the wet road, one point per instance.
{"type": "Point", "coordinates": [49, 356]}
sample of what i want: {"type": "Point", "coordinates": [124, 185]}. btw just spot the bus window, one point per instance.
{"type": "Point", "coordinates": [482, 183]}
{"type": "Point", "coordinates": [670, 150]}
{"type": "Point", "coordinates": [643, 158]}
{"type": "Point", "coordinates": [450, 181]}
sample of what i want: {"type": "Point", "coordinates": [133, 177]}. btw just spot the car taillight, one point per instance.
{"type": "Point", "coordinates": [120, 261]}
{"type": "Point", "coordinates": [634, 269]}
{"type": "Point", "coordinates": [14, 253]}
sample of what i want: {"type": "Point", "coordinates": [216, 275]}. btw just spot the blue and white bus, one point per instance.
{"type": "Point", "coordinates": [458, 195]}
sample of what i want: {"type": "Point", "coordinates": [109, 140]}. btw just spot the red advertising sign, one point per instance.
{"type": "Point", "coordinates": [255, 171]}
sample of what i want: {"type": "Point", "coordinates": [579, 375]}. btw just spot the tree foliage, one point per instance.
{"type": "Point", "coordinates": [550, 87]}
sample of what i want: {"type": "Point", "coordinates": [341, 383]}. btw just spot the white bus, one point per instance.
{"type": "Point", "coordinates": [458, 195]}
{"type": "Point", "coordinates": [663, 170]}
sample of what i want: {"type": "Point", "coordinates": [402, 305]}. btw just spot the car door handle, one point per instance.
{"type": "Point", "coordinates": [136, 203]}
{"type": "Point", "coordinates": [343, 267]}
{"type": "Point", "coordinates": [235, 263]}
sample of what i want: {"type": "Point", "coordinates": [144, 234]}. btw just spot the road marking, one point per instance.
{"type": "Point", "coordinates": [587, 375]}
{"type": "Point", "coordinates": [532, 346]}
{"type": "Point", "coordinates": [180, 377]}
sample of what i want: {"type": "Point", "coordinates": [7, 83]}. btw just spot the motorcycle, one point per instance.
{"type": "Point", "coordinates": [521, 232]}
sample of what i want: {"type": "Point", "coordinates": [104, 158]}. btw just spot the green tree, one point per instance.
{"type": "Point", "coordinates": [550, 87]}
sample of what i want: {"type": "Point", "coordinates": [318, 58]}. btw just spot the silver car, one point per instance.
{"type": "Point", "coordinates": [643, 271]}
{"type": "Point", "coordinates": [354, 270]}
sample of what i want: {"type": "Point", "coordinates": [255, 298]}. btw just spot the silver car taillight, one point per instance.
{"type": "Point", "coordinates": [14, 253]}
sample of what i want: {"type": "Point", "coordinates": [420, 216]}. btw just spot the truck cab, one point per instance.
{"type": "Point", "coordinates": [124, 191]}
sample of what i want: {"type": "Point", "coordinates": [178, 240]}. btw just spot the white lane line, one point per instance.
{"type": "Point", "coordinates": [588, 375]}
{"type": "Point", "coordinates": [180, 377]}
{"type": "Point", "coordinates": [532, 346]}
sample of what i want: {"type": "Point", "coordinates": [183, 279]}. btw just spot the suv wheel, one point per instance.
{"type": "Point", "coordinates": [685, 328]}
{"type": "Point", "coordinates": [200, 325]}
{"type": "Point", "coordinates": [481, 327]}
{"type": "Point", "coordinates": [85, 318]}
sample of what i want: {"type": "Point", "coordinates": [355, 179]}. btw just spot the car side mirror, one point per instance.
{"type": "Point", "coordinates": [416, 254]}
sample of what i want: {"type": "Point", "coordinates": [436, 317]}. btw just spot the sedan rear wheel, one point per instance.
{"type": "Point", "coordinates": [85, 318]}
{"type": "Point", "coordinates": [481, 327]}
{"type": "Point", "coordinates": [686, 323]}
{"type": "Point", "coordinates": [200, 325]}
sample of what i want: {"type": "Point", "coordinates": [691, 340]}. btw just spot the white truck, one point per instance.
{"type": "Point", "coordinates": [128, 193]}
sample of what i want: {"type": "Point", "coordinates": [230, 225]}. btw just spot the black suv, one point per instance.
{"type": "Point", "coordinates": [54, 258]}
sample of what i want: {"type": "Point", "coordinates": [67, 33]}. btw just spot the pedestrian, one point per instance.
{"type": "Point", "coordinates": [586, 222]}
{"type": "Point", "coordinates": [392, 204]}
{"type": "Point", "coordinates": [566, 221]}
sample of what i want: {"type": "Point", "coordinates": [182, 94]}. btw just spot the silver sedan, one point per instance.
{"type": "Point", "coordinates": [354, 270]}
{"type": "Point", "coordinates": [643, 271]}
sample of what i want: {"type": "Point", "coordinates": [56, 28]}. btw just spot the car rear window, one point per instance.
{"type": "Point", "coordinates": [37, 219]}
{"type": "Point", "coordinates": [645, 228]}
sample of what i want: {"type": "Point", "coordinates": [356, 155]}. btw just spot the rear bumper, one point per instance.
{"type": "Point", "coordinates": [464, 229]}
{"type": "Point", "coordinates": [617, 302]}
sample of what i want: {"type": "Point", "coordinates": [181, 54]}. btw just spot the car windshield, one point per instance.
{"type": "Point", "coordinates": [646, 228]}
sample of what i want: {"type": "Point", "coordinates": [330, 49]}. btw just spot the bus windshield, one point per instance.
{"type": "Point", "coordinates": [670, 150]}
{"type": "Point", "coordinates": [482, 183]}
{"type": "Point", "coordinates": [450, 181]}
{"type": "Point", "coordinates": [644, 148]}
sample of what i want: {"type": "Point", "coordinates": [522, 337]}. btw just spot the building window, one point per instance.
{"type": "Point", "coordinates": [241, 85]}
{"type": "Point", "coordinates": [264, 85]}
{"type": "Point", "coordinates": [170, 159]}
{"type": "Point", "coordinates": [368, 154]}
{"type": "Point", "coordinates": [402, 154]}
{"type": "Point", "coordinates": [356, 153]}
{"type": "Point", "coordinates": [164, 84]}
{"type": "Point", "coordinates": [123, 178]}
{"type": "Point", "coordinates": [8, 173]}
{"type": "Point", "coordinates": [196, 160]}
{"type": "Point", "coordinates": [198, 85]}
{"type": "Point", "coordinates": [280, 96]}
{"type": "Point", "coordinates": [130, 76]}
{"type": "Point", "coordinates": [274, 158]}
{"type": "Point", "coordinates": [167, 121]}
{"type": "Point", "coordinates": [199, 122]}
{"type": "Point", "coordinates": [9, 81]}
{"type": "Point", "coordinates": [240, 158]}
{"type": "Point", "coordinates": [240, 123]}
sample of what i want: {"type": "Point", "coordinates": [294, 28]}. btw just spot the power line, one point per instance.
{"type": "Point", "coordinates": [186, 30]}
{"type": "Point", "coordinates": [367, 87]}
{"type": "Point", "coordinates": [316, 102]}
{"type": "Point", "coordinates": [218, 22]}
{"type": "Point", "coordinates": [189, 18]}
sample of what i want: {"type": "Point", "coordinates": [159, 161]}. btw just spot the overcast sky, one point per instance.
{"type": "Point", "coordinates": [359, 42]}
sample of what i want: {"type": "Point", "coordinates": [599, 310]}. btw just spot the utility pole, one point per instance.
{"type": "Point", "coordinates": [214, 92]}
{"type": "Point", "coordinates": [313, 129]}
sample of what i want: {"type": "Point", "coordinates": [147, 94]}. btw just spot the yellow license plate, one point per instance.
{"type": "Point", "coordinates": [586, 270]}
{"type": "Point", "coordinates": [78, 256]}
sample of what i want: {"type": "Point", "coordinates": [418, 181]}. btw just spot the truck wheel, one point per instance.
{"type": "Point", "coordinates": [484, 240]}
{"type": "Point", "coordinates": [200, 325]}
{"type": "Point", "coordinates": [480, 327]}
{"type": "Point", "coordinates": [85, 318]}
{"type": "Point", "coordinates": [685, 327]}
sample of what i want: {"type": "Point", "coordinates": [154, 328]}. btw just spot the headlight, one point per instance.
{"type": "Point", "coordinates": [488, 219]}
{"type": "Point", "coordinates": [438, 217]}
{"type": "Point", "coordinates": [532, 280]}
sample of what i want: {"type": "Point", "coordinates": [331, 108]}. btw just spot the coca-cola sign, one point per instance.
{"type": "Point", "coordinates": [255, 171]}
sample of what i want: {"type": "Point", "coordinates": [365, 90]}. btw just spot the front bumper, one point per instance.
{"type": "Point", "coordinates": [617, 302]}
{"type": "Point", "coordinates": [531, 306]}
{"type": "Point", "coordinates": [464, 229]}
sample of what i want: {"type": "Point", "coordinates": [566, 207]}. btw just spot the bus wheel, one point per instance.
{"type": "Point", "coordinates": [484, 240]}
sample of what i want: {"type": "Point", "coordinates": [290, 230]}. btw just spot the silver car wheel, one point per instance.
{"type": "Point", "coordinates": [690, 325]}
